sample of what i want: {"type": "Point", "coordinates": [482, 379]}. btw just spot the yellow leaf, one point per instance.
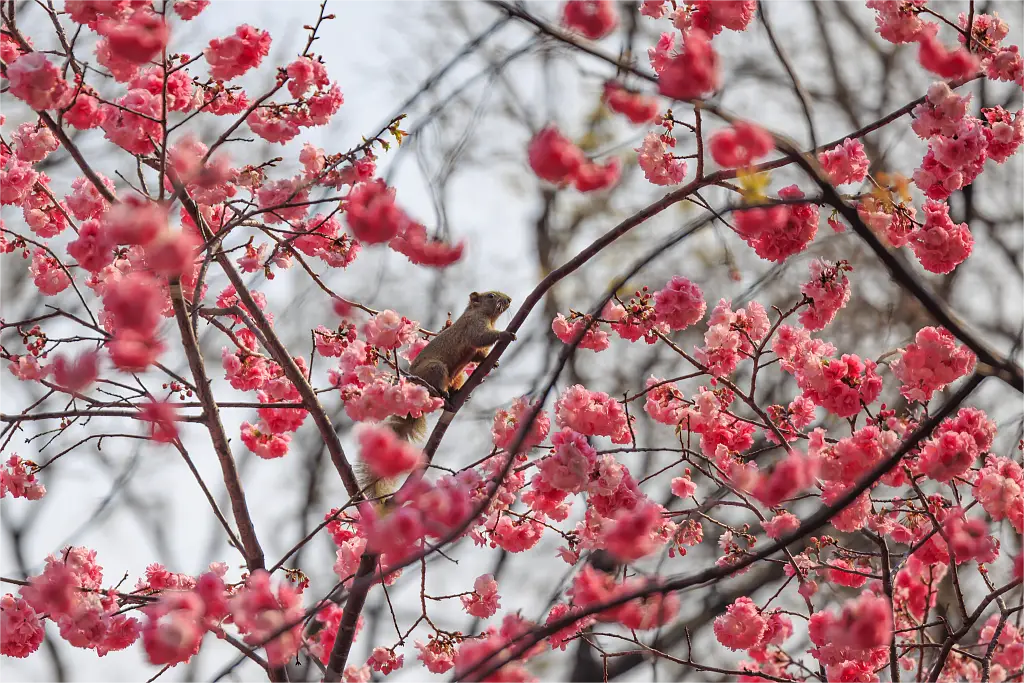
{"type": "Point", "coordinates": [753, 185]}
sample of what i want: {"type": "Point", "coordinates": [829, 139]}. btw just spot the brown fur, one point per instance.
{"type": "Point", "coordinates": [465, 341]}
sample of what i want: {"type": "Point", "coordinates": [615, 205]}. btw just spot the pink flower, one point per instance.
{"type": "Point", "coordinates": [791, 475]}
{"type": "Point", "coordinates": [436, 655]}
{"type": "Point", "coordinates": [138, 38]}
{"type": "Point", "coordinates": [190, 9]}
{"type": "Point", "coordinates": [999, 487]}
{"type": "Point", "coordinates": [778, 232]}
{"type": "Point", "coordinates": [271, 126]}
{"type": "Point", "coordinates": [372, 214]}
{"type": "Point", "coordinates": [21, 631]}
{"type": "Point", "coordinates": [386, 455]}
{"type": "Point", "coordinates": [124, 126]}
{"type": "Point", "coordinates": [711, 16]}
{"type": "Point", "coordinates": [10, 49]}
{"type": "Point", "coordinates": [121, 69]}
{"type": "Point", "coordinates": [484, 601]}
{"type": "Point", "coordinates": [592, 413]}
{"type": "Point", "coordinates": [863, 624]}
{"type": "Point", "coordinates": [742, 625]}
{"type": "Point", "coordinates": [47, 274]}
{"type": "Point", "coordinates": [636, 107]}
{"type": "Point", "coordinates": [323, 105]}
{"type": "Point", "coordinates": [17, 179]}
{"type": "Point", "coordinates": [930, 363]}
{"type": "Point", "coordinates": [384, 660]}
{"type": "Point", "coordinates": [568, 468]}
{"type": "Point", "coordinates": [969, 539]}
{"type": "Point", "coordinates": [683, 486]}
{"type": "Point", "coordinates": [85, 201]}
{"type": "Point", "coordinates": [591, 177]}
{"type": "Point", "coordinates": [940, 113]}
{"type": "Point", "coordinates": [680, 304]}
{"type": "Point", "coordinates": [839, 574]}
{"type": "Point", "coordinates": [634, 534]}
{"type": "Point", "coordinates": [839, 385]}
{"type": "Point", "coordinates": [694, 73]}
{"type": "Point", "coordinates": [553, 157]}
{"type": "Point", "coordinates": [135, 221]}
{"type": "Point", "coordinates": [940, 244]}
{"type": "Point", "coordinates": [593, 18]}
{"type": "Point", "coordinates": [433, 253]}
{"type": "Point", "coordinates": [48, 220]}
{"type": "Point", "coordinates": [945, 63]}
{"type": "Point", "coordinates": [507, 425]}
{"type": "Point", "coordinates": [594, 338]}
{"type": "Point", "coordinates": [388, 330]}
{"type": "Point", "coordinates": [655, 9]}
{"type": "Point", "coordinates": [162, 417]}
{"type": "Point", "coordinates": [740, 144]}
{"type": "Point", "coordinates": [781, 525]}
{"type": "Point", "coordinates": [263, 442]}
{"type": "Point", "coordinates": [662, 52]}
{"type": "Point", "coordinates": [260, 613]}
{"type": "Point", "coordinates": [829, 291]}
{"type": "Point", "coordinates": [33, 142]}
{"type": "Point", "coordinates": [659, 165]}
{"type": "Point", "coordinates": [84, 113]}
{"type": "Point", "coordinates": [18, 478]}
{"type": "Point", "coordinates": [897, 21]}
{"type": "Point", "coordinates": [305, 73]}
{"type": "Point", "coordinates": [134, 302]}
{"type": "Point", "coordinates": [953, 162]}
{"type": "Point", "coordinates": [232, 56]}
{"type": "Point", "coordinates": [948, 455]}
{"type": "Point", "coordinates": [172, 253]}
{"type": "Point", "coordinates": [27, 368]}
{"type": "Point", "coordinates": [78, 374]}
{"type": "Point", "coordinates": [1004, 133]}
{"type": "Point", "coordinates": [1005, 65]}
{"type": "Point", "coordinates": [181, 94]}
{"type": "Point", "coordinates": [37, 81]}
{"type": "Point", "coordinates": [845, 163]}
{"type": "Point", "coordinates": [174, 628]}
{"type": "Point", "coordinates": [274, 198]}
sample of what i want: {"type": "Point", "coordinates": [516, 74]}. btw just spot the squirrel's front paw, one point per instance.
{"type": "Point", "coordinates": [507, 336]}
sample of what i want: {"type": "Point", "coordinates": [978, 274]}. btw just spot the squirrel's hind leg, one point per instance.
{"type": "Point", "coordinates": [435, 373]}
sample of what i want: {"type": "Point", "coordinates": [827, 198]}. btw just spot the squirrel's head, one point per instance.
{"type": "Point", "coordinates": [493, 303]}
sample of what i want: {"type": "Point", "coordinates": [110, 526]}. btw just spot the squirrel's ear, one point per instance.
{"type": "Point", "coordinates": [474, 297]}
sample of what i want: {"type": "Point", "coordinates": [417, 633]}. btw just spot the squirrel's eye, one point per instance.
{"type": "Point", "coordinates": [490, 296]}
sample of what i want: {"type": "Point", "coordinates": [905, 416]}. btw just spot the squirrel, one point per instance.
{"type": "Point", "coordinates": [442, 360]}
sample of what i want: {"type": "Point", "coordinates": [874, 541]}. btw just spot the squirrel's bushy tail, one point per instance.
{"type": "Point", "coordinates": [408, 428]}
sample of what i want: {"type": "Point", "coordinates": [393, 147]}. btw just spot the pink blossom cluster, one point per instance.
{"type": "Point", "coordinates": [931, 362]}
{"type": "Point", "coordinates": [855, 642]}
{"type": "Point", "coordinates": [689, 74]}
{"type": "Point", "coordinates": [659, 165]}
{"type": "Point", "coordinates": [680, 304]}
{"type": "Point", "coordinates": [745, 627]}
{"type": "Point", "coordinates": [740, 145]}
{"type": "Point", "coordinates": [593, 413]}
{"type": "Point", "coordinates": [636, 107]}
{"type": "Point", "coordinates": [418, 511]}
{"type": "Point", "coordinates": [593, 18]}
{"type": "Point", "coordinates": [556, 159]}
{"type": "Point", "coordinates": [778, 232]}
{"type": "Point", "coordinates": [846, 162]}
{"type": "Point", "coordinates": [507, 425]}
{"type": "Point", "coordinates": [592, 587]}
{"type": "Point", "coordinates": [370, 394]}
{"type": "Point", "coordinates": [828, 290]}
{"type": "Point", "coordinates": [69, 593]}
{"type": "Point", "coordinates": [731, 336]}
{"type": "Point", "coordinates": [17, 477]}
